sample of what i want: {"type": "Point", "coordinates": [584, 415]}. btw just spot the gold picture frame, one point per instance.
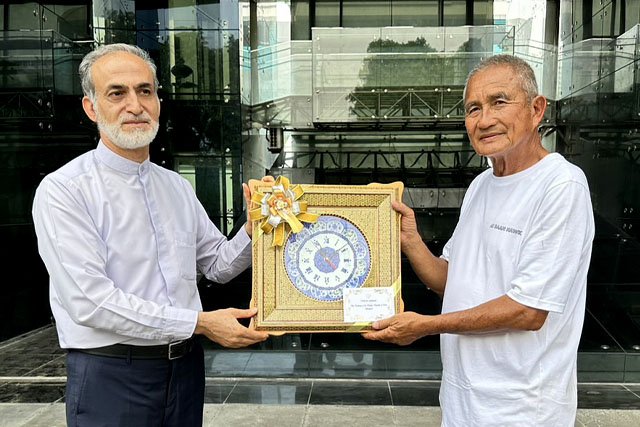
{"type": "Point", "coordinates": [356, 210]}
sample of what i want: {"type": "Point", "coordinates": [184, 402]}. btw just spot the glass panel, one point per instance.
{"type": "Point", "coordinates": [207, 136]}
{"type": "Point", "coordinates": [339, 55]}
{"type": "Point", "coordinates": [602, 93]}
{"type": "Point", "coordinates": [606, 18]}
{"type": "Point", "coordinates": [68, 20]}
{"type": "Point", "coordinates": [191, 63]}
{"type": "Point", "coordinates": [577, 21]}
{"type": "Point", "coordinates": [565, 25]}
{"type": "Point", "coordinates": [37, 60]}
{"type": "Point", "coordinates": [283, 84]}
{"type": "Point", "coordinates": [454, 13]}
{"type": "Point", "coordinates": [23, 64]}
{"type": "Point", "coordinates": [632, 16]}
{"type": "Point", "coordinates": [483, 12]}
{"type": "Point", "coordinates": [415, 14]}
{"type": "Point", "coordinates": [182, 14]}
{"type": "Point", "coordinates": [301, 68]}
{"type": "Point", "coordinates": [114, 22]}
{"type": "Point", "coordinates": [382, 74]}
{"type": "Point", "coordinates": [274, 22]}
{"type": "Point", "coordinates": [300, 29]}
{"type": "Point", "coordinates": [413, 56]}
{"type": "Point", "coordinates": [202, 14]}
{"type": "Point", "coordinates": [207, 174]}
{"type": "Point", "coordinates": [327, 14]}
{"type": "Point", "coordinates": [24, 16]}
{"type": "Point", "coordinates": [366, 13]}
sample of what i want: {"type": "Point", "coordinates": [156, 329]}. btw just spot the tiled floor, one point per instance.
{"type": "Point", "coordinates": [32, 371]}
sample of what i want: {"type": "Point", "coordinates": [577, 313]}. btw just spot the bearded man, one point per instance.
{"type": "Point", "coordinates": [122, 240]}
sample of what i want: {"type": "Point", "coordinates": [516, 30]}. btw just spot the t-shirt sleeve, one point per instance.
{"type": "Point", "coordinates": [555, 246]}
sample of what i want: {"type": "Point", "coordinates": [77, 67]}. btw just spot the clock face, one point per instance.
{"type": "Point", "coordinates": [327, 256]}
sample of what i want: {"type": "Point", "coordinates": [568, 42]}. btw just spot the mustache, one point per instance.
{"type": "Point", "coordinates": [142, 117]}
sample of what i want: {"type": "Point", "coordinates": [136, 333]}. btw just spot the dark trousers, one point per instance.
{"type": "Point", "coordinates": [110, 391]}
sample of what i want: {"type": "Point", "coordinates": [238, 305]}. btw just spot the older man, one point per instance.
{"type": "Point", "coordinates": [514, 274]}
{"type": "Point", "coordinates": [122, 239]}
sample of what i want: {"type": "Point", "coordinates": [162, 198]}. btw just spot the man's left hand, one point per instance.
{"type": "Point", "coordinates": [402, 329]}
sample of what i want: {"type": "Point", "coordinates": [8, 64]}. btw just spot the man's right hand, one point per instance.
{"type": "Point", "coordinates": [409, 235]}
{"type": "Point", "coordinates": [222, 326]}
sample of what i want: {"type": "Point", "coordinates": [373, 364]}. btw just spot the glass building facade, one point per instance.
{"type": "Point", "coordinates": [334, 92]}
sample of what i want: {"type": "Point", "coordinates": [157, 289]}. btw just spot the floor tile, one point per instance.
{"type": "Point", "coordinates": [217, 393]}
{"type": "Point", "coordinates": [349, 393]}
{"type": "Point", "coordinates": [425, 416]}
{"type": "Point", "coordinates": [56, 367]}
{"type": "Point", "coordinates": [14, 363]}
{"type": "Point", "coordinates": [315, 375]}
{"type": "Point", "coordinates": [265, 392]}
{"type": "Point", "coordinates": [31, 393]}
{"type": "Point", "coordinates": [607, 418]}
{"type": "Point", "coordinates": [606, 396]}
{"type": "Point", "coordinates": [415, 394]}
{"type": "Point", "coordinates": [18, 415]}
{"type": "Point", "coordinates": [341, 416]}
{"type": "Point", "coordinates": [258, 415]}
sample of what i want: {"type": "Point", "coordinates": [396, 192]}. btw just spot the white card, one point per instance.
{"type": "Point", "coordinates": [368, 304]}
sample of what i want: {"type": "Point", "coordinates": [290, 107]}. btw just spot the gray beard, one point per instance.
{"type": "Point", "coordinates": [136, 138]}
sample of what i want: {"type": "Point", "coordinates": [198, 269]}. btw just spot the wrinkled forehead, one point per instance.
{"type": "Point", "coordinates": [121, 68]}
{"type": "Point", "coordinates": [492, 80]}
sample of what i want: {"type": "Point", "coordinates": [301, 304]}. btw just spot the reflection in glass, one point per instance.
{"type": "Point", "coordinates": [300, 29]}
{"type": "Point", "coordinates": [68, 20]}
{"type": "Point", "coordinates": [366, 13]}
{"type": "Point", "coordinates": [23, 17]}
{"type": "Point", "coordinates": [415, 14]}
{"type": "Point", "coordinates": [454, 13]}
{"type": "Point", "coordinates": [327, 14]}
{"type": "Point", "coordinates": [483, 12]}
{"type": "Point", "coordinates": [114, 22]}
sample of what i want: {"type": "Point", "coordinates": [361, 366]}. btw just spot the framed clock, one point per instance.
{"type": "Point", "coordinates": [348, 238]}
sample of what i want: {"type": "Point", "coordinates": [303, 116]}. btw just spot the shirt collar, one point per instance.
{"type": "Point", "coordinates": [119, 163]}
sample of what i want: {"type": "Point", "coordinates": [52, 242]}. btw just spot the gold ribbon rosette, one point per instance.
{"type": "Point", "coordinates": [281, 207]}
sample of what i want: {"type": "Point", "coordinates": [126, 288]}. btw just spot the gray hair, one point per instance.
{"type": "Point", "coordinates": [88, 87]}
{"type": "Point", "coordinates": [523, 72]}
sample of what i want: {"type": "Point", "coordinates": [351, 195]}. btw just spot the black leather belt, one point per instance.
{"type": "Point", "coordinates": [174, 350]}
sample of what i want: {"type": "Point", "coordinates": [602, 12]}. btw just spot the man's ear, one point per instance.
{"type": "Point", "coordinates": [89, 109]}
{"type": "Point", "coordinates": [539, 107]}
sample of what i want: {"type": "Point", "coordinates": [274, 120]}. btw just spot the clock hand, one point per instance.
{"type": "Point", "coordinates": [330, 263]}
{"type": "Point", "coordinates": [327, 260]}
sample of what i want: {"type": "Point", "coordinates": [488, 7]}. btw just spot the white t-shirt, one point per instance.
{"type": "Point", "coordinates": [529, 236]}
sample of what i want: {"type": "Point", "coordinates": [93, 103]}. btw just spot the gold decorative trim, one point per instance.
{"type": "Point", "coordinates": [285, 307]}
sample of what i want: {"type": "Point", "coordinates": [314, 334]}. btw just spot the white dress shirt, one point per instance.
{"type": "Point", "coordinates": [122, 242]}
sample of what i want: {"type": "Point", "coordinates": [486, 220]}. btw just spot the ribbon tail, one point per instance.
{"type": "Point", "coordinates": [255, 214]}
{"type": "Point", "coordinates": [283, 181]}
{"type": "Point", "coordinates": [296, 226]}
{"type": "Point", "coordinates": [297, 191]}
{"type": "Point", "coordinates": [308, 217]}
{"type": "Point", "coordinates": [258, 234]}
{"type": "Point", "coordinates": [266, 227]}
{"type": "Point", "coordinates": [278, 235]}
{"type": "Point", "coordinates": [256, 197]}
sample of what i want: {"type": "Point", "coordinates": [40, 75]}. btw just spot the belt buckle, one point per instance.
{"type": "Point", "coordinates": [176, 350]}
